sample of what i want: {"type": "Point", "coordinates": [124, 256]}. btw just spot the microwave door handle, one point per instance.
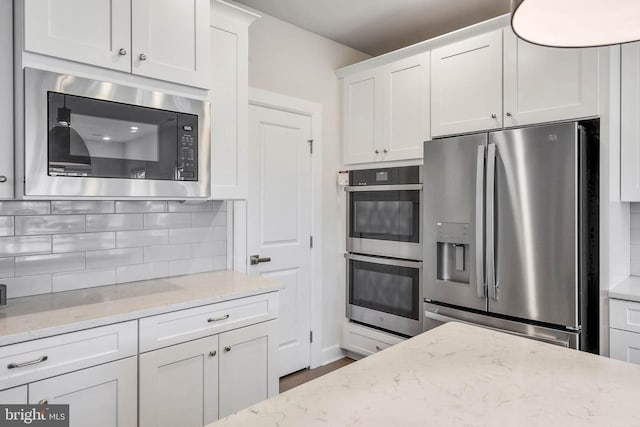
{"type": "Point", "coordinates": [490, 222]}
{"type": "Point", "coordinates": [480, 222]}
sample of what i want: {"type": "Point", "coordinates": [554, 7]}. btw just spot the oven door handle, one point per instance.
{"type": "Point", "coordinates": [384, 261]}
{"type": "Point", "coordinates": [400, 187]}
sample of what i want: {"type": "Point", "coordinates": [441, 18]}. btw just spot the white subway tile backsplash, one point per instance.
{"type": "Point", "coordinates": [114, 257]}
{"type": "Point", "coordinates": [28, 285]}
{"type": "Point", "coordinates": [83, 279]}
{"type": "Point", "coordinates": [175, 206]}
{"type": "Point", "coordinates": [197, 235]}
{"type": "Point", "coordinates": [83, 242]}
{"type": "Point", "coordinates": [49, 224]}
{"type": "Point", "coordinates": [167, 220]}
{"type": "Point", "coordinates": [51, 263]}
{"type": "Point", "coordinates": [635, 220]}
{"type": "Point", "coordinates": [635, 208]}
{"type": "Point", "coordinates": [190, 266]}
{"type": "Point", "coordinates": [82, 207]}
{"type": "Point", "coordinates": [209, 219]}
{"type": "Point", "coordinates": [140, 206]}
{"type": "Point", "coordinates": [24, 245]}
{"type": "Point", "coordinates": [11, 207]}
{"type": "Point", "coordinates": [166, 253]}
{"type": "Point", "coordinates": [114, 222]}
{"type": "Point", "coordinates": [7, 267]}
{"type": "Point", "coordinates": [209, 249]}
{"type": "Point", "coordinates": [635, 267]}
{"type": "Point", "coordinates": [219, 263]}
{"type": "Point", "coordinates": [635, 251]}
{"type": "Point", "coordinates": [6, 226]}
{"type": "Point", "coordinates": [133, 273]}
{"type": "Point", "coordinates": [635, 235]}
{"type": "Point", "coordinates": [131, 239]}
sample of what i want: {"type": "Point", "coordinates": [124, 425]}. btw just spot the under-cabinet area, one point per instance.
{"type": "Point", "coordinates": [179, 351]}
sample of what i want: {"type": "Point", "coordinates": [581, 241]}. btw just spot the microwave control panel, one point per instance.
{"type": "Point", "coordinates": [187, 147]}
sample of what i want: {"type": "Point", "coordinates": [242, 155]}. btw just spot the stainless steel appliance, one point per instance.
{"type": "Point", "coordinates": [384, 212]}
{"type": "Point", "coordinates": [385, 293]}
{"type": "Point", "coordinates": [511, 231]}
{"type": "Point", "coordinates": [88, 138]}
{"type": "Point", "coordinates": [384, 267]}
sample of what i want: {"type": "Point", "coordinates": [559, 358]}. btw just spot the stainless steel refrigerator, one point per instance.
{"type": "Point", "coordinates": [511, 231]}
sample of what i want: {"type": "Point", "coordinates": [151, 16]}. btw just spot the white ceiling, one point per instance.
{"type": "Point", "coordinates": [379, 26]}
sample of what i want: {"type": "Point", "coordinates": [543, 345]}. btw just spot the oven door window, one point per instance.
{"type": "Point", "coordinates": [96, 138]}
{"type": "Point", "coordinates": [387, 288]}
{"type": "Point", "coordinates": [385, 215]}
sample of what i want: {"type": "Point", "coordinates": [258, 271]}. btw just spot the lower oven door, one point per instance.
{"type": "Point", "coordinates": [385, 293]}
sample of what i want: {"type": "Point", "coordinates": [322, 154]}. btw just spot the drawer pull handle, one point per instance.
{"type": "Point", "coordinates": [213, 353]}
{"type": "Point", "coordinates": [227, 348]}
{"type": "Point", "coordinates": [378, 348]}
{"type": "Point", "coordinates": [43, 402]}
{"type": "Point", "coordinates": [23, 364]}
{"type": "Point", "coordinates": [217, 319]}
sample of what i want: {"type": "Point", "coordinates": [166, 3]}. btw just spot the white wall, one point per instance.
{"type": "Point", "coordinates": [294, 62]}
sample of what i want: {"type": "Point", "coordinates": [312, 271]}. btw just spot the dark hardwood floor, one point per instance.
{"type": "Point", "coordinates": [293, 380]}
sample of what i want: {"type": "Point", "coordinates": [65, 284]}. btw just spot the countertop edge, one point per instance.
{"type": "Point", "coordinates": [628, 289]}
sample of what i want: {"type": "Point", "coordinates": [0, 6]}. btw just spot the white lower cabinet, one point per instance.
{"type": "Point", "coordinates": [179, 384]}
{"type": "Point", "coordinates": [624, 335]}
{"type": "Point", "coordinates": [362, 341]}
{"type": "Point", "coordinates": [101, 396]}
{"type": "Point", "coordinates": [14, 396]}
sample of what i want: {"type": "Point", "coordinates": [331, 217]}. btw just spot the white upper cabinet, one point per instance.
{"type": "Point", "coordinates": [170, 40]}
{"type": "Point", "coordinates": [630, 124]}
{"type": "Point", "coordinates": [6, 102]}
{"type": "Point", "coordinates": [466, 85]}
{"type": "Point", "coordinates": [161, 39]}
{"type": "Point", "coordinates": [96, 32]}
{"type": "Point", "coordinates": [544, 84]}
{"type": "Point", "coordinates": [362, 117]}
{"type": "Point", "coordinates": [385, 111]}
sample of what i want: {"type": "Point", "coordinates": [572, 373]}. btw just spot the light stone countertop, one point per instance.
{"type": "Point", "coordinates": [461, 375]}
{"type": "Point", "coordinates": [40, 316]}
{"type": "Point", "coordinates": [628, 289]}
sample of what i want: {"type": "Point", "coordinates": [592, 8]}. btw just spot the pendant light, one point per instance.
{"type": "Point", "coordinates": [68, 152]}
{"type": "Point", "coordinates": [576, 23]}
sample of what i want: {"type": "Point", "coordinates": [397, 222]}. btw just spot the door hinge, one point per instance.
{"type": "Point", "coordinates": [311, 242]}
{"type": "Point", "coordinates": [310, 141]}
{"type": "Point", "coordinates": [311, 336]}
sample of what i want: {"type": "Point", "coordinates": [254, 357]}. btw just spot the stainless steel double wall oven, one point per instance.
{"type": "Point", "coordinates": [384, 233]}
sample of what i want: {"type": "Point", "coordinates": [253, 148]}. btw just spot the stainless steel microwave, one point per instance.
{"type": "Point", "coordinates": [87, 138]}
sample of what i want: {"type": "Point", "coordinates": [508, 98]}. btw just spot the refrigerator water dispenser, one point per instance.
{"type": "Point", "coordinates": [453, 252]}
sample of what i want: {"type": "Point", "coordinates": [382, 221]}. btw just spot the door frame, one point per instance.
{"type": "Point", "coordinates": [313, 110]}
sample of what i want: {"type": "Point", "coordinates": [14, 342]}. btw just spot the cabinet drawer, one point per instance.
{"type": "Point", "coordinates": [364, 341]}
{"type": "Point", "coordinates": [33, 360]}
{"type": "Point", "coordinates": [624, 345]}
{"type": "Point", "coordinates": [184, 325]}
{"type": "Point", "coordinates": [624, 315]}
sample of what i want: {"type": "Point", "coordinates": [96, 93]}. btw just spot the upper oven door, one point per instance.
{"type": "Point", "coordinates": [85, 138]}
{"type": "Point", "coordinates": [385, 220]}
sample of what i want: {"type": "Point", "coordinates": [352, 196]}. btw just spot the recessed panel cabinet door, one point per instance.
{"type": "Point", "coordinates": [543, 84]}
{"type": "Point", "coordinates": [92, 32]}
{"type": "Point", "coordinates": [170, 40]}
{"type": "Point", "coordinates": [630, 124]}
{"type": "Point", "coordinates": [102, 396]}
{"type": "Point", "coordinates": [179, 384]}
{"type": "Point", "coordinates": [14, 396]}
{"type": "Point", "coordinates": [466, 85]}
{"type": "Point", "coordinates": [362, 114]}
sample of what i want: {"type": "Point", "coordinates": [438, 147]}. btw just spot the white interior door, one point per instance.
{"type": "Point", "coordinates": [279, 222]}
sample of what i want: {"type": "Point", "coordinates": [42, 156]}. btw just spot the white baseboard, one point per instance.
{"type": "Point", "coordinates": [331, 354]}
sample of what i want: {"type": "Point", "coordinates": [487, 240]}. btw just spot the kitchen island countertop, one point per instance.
{"type": "Point", "coordinates": [461, 375]}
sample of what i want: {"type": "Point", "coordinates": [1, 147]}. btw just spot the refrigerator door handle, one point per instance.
{"type": "Point", "coordinates": [492, 287]}
{"type": "Point", "coordinates": [480, 222]}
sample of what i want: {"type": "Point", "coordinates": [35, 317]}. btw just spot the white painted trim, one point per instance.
{"type": "Point", "coordinates": [240, 258]}
{"type": "Point", "coordinates": [331, 354]}
{"type": "Point", "coordinates": [281, 102]}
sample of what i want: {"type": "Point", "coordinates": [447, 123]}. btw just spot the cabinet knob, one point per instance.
{"type": "Point", "coordinates": [227, 348]}
{"type": "Point", "coordinates": [384, 151]}
{"type": "Point", "coordinates": [3, 178]}
{"type": "Point", "coordinates": [378, 348]}
{"type": "Point", "coordinates": [142, 57]}
{"type": "Point", "coordinates": [43, 402]}
{"type": "Point", "coordinates": [508, 114]}
{"type": "Point", "coordinates": [213, 353]}
{"type": "Point", "coordinates": [122, 51]}
{"type": "Point", "coordinates": [377, 151]}
{"type": "Point", "coordinates": [493, 116]}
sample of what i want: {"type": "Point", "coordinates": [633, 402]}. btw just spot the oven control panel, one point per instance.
{"type": "Point", "coordinates": [187, 147]}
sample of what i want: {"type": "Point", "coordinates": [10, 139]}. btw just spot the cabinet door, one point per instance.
{"type": "Point", "coordinates": [229, 44]}
{"type": "Point", "coordinates": [92, 32]}
{"type": "Point", "coordinates": [179, 385]}
{"type": "Point", "coordinates": [543, 84]}
{"type": "Point", "coordinates": [170, 40]}
{"type": "Point", "coordinates": [624, 345]}
{"type": "Point", "coordinates": [406, 108]}
{"type": "Point", "coordinates": [102, 396]}
{"type": "Point", "coordinates": [362, 117]}
{"type": "Point", "coordinates": [14, 396]}
{"type": "Point", "coordinates": [247, 366]}
{"type": "Point", "coordinates": [630, 124]}
{"type": "Point", "coordinates": [466, 85]}
{"type": "Point", "coordinates": [6, 102]}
